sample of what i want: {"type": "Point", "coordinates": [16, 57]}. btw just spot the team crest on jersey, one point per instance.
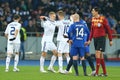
{"type": "Point", "coordinates": [99, 24]}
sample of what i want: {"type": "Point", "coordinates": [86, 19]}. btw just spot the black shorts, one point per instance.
{"type": "Point", "coordinates": [99, 43]}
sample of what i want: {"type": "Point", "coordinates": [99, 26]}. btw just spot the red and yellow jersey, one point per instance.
{"type": "Point", "coordinates": [99, 27]}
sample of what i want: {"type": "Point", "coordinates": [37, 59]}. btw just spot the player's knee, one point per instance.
{"type": "Point", "coordinates": [67, 54]}
{"type": "Point", "coordinates": [75, 57]}
{"type": "Point", "coordinates": [44, 54]}
{"type": "Point", "coordinates": [98, 54]}
{"type": "Point", "coordinates": [9, 55]}
{"type": "Point", "coordinates": [59, 54]}
{"type": "Point", "coordinates": [55, 52]}
{"type": "Point", "coordinates": [82, 58]}
{"type": "Point", "coordinates": [17, 53]}
{"type": "Point", "coordinates": [87, 54]}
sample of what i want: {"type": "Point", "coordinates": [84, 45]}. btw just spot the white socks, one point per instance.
{"type": "Point", "coordinates": [53, 59]}
{"type": "Point", "coordinates": [60, 62]}
{"type": "Point", "coordinates": [16, 60]}
{"type": "Point", "coordinates": [7, 62]}
{"type": "Point", "coordinates": [42, 60]}
{"type": "Point", "coordinates": [68, 58]}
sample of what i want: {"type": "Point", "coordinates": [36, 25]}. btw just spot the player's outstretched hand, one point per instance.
{"type": "Point", "coordinates": [43, 18]}
{"type": "Point", "coordinates": [12, 39]}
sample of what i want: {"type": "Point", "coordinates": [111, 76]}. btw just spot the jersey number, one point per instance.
{"type": "Point", "coordinates": [66, 27]}
{"type": "Point", "coordinates": [79, 32]}
{"type": "Point", "coordinates": [12, 32]}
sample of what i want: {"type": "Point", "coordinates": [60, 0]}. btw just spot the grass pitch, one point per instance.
{"type": "Point", "coordinates": [33, 73]}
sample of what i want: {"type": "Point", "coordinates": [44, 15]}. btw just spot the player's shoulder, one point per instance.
{"type": "Point", "coordinates": [72, 24]}
{"type": "Point", "coordinates": [17, 23]}
{"type": "Point", "coordinates": [102, 17]}
{"type": "Point", "coordinates": [83, 21]}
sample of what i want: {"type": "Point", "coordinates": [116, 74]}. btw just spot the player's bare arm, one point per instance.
{"type": "Point", "coordinates": [6, 35]}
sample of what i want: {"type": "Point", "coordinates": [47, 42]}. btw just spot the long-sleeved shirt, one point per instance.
{"type": "Point", "coordinates": [99, 27]}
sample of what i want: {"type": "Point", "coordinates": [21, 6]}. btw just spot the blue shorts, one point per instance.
{"type": "Point", "coordinates": [87, 49]}
{"type": "Point", "coordinates": [77, 51]}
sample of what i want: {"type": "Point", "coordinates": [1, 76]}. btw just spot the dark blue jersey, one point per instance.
{"type": "Point", "coordinates": [77, 33]}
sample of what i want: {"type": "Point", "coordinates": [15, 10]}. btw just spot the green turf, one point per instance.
{"type": "Point", "coordinates": [32, 73]}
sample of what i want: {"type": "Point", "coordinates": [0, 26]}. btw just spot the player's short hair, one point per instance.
{"type": "Point", "coordinates": [76, 16]}
{"type": "Point", "coordinates": [16, 16]}
{"type": "Point", "coordinates": [80, 14]}
{"type": "Point", "coordinates": [61, 13]}
{"type": "Point", "coordinates": [97, 9]}
{"type": "Point", "coordinates": [51, 13]}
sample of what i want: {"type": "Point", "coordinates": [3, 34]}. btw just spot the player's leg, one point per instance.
{"type": "Point", "coordinates": [52, 61]}
{"type": "Point", "coordinates": [60, 62]}
{"type": "Point", "coordinates": [60, 58]}
{"type": "Point", "coordinates": [97, 45]}
{"type": "Point", "coordinates": [102, 56]}
{"type": "Point", "coordinates": [89, 59]}
{"type": "Point", "coordinates": [97, 54]}
{"type": "Point", "coordinates": [103, 66]}
{"type": "Point", "coordinates": [43, 55]}
{"type": "Point", "coordinates": [9, 54]}
{"type": "Point", "coordinates": [91, 64]}
{"type": "Point", "coordinates": [84, 65]}
{"type": "Point", "coordinates": [100, 47]}
{"type": "Point", "coordinates": [16, 58]}
{"type": "Point", "coordinates": [82, 54]}
{"type": "Point", "coordinates": [74, 55]}
{"type": "Point", "coordinates": [42, 60]}
{"type": "Point", "coordinates": [53, 48]}
{"type": "Point", "coordinates": [66, 50]}
{"type": "Point", "coordinates": [7, 62]}
{"type": "Point", "coordinates": [67, 57]}
{"type": "Point", "coordinates": [70, 63]}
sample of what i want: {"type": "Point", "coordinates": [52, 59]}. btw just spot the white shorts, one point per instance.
{"type": "Point", "coordinates": [48, 46]}
{"type": "Point", "coordinates": [13, 47]}
{"type": "Point", "coordinates": [63, 47]}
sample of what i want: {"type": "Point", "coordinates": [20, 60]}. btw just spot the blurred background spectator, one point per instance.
{"type": "Point", "coordinates": [30, 10]}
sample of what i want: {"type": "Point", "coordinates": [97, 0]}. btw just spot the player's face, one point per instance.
{"type": "Point", "coordinates": [53, 16]}
{"type": "Point", "coordinates": [94, 13]}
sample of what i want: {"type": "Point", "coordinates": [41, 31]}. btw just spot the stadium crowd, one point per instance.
{"type": "Point", "coordinates": [30, 10]}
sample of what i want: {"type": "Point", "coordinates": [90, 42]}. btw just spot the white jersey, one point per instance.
{"type": "Point", "coordinates": [10, 30]}
{"type": "Point", "coordinates": [63, 26]}
{"type": "Point", "coordinates": [49, 29]}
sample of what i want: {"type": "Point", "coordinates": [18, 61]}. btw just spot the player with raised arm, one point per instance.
{"type": "Point", "coordinates": [77, 40]}
{"type": "Point", "coordinates": [63, 47]}
{"type": "Point", "coordinates": [12, 33]}
{"type": "Point", "coordinates": [47, 41]}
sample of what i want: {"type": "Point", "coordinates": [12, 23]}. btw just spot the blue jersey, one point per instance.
{"type": "Point", "coordinates": [85, 37]}
{"type": "Point", "coordinates": [77, 33]}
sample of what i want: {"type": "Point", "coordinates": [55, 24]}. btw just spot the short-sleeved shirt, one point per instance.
{"type": "Point", "coordinates": [10, 30]}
